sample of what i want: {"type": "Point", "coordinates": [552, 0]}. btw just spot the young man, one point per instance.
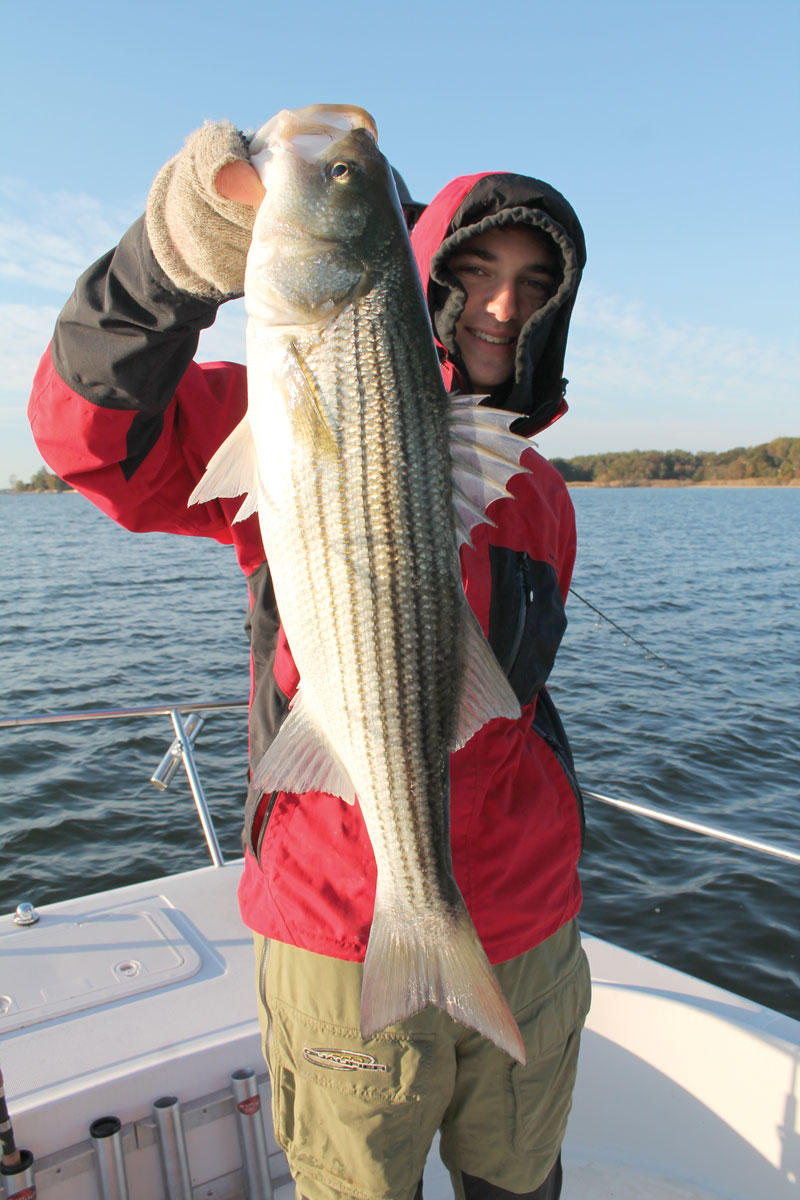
{"type": "Point", "coordinates": [120, 410]}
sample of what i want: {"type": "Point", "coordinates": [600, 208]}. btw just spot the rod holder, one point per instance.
{"type": "Point", "coordinates": [172, 1148]}
{"type": "Point", "coordinates": [252, 1139]}
{"type": "Point", "coordinates": [18, 1180]}
{"type": "Point", "coordinates": [187, 758]}
{"type": "Point", "coordinates": [106, 1135]}
{"type": "Point", "coordinates": [169, 764]}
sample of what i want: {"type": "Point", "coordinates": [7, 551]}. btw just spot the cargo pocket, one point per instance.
{"type": "Point", "coordinates": [348, 1112]}
{"type": "Point", "coordinates": [541, 1091]}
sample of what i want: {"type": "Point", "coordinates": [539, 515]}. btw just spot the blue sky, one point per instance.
{"type": "Point", "coordinates": [672, 127]}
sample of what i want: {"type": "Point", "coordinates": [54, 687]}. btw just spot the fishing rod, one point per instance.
{"type": "Point", "coordinates": [16, 1166]}
{"type": "Point", "coordinates": [648, 652]}
{"type": "Point", "coordinates": [11, 1156]}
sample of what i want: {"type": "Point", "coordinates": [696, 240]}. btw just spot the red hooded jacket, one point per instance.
{"type": "Point", "coordinates": [119, 410]}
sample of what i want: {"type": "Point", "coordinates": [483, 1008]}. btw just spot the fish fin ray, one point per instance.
{"type": "Point", "coordinates": [485, 456]}
{"type": "Point", "coordinates": [307, 415]}
{"type": "Point", "coordinates": [232, 470]}
{"type": "Point", "coordinates": [407, 968]}
{"type": "Point", "coordinates": [248, 507]}
{"type": "Point", "coordinates": [301, 759]}
{"type": "Point", "coordinates": [485, 690]}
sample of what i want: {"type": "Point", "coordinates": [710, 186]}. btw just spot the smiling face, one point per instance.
{"type": "Point", "coordinates": [507, 274]}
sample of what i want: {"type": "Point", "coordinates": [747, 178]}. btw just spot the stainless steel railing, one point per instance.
{"type": "Point", "coordinates": [721, 835]}
{"type": "Point", "coordinates": [181, 752]}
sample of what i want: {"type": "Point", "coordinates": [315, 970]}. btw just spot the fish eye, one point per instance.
{"type": "Point", "coordinates": [340, 171]}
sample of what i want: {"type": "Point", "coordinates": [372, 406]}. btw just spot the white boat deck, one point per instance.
{"type": "Point", "coordinates": [114, 1000]}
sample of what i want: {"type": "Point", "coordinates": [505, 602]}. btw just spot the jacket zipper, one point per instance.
{"type": "Point", "coordinates": [262, 988]}
{"type": "Point", "coordinates": [525, 601]}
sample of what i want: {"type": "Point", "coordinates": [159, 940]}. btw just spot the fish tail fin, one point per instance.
{"type": "Point", "coordinates": [405, 969]}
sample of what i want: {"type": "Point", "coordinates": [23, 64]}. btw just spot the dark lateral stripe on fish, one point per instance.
{"type": "Point", "coordinates": [348, 520]}
{"type": "Point", "coordinates": [410, 436]}
{"type": "Point", "coordinates": [411, 646]}
{"type": "Point", "coordinates": [415, 640]}
{"type": "Point", "coordinates": [425, 619]}
{"type": "Point", "coordinates": [433, 536]}
{"type": "Point", "coordinates": [373, 449]}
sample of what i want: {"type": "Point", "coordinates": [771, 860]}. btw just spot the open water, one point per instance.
{"type": "Point", "coordinates": [93, 617]}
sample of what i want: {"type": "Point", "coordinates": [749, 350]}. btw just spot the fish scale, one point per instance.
{"type": "Point", "coordinates": [348, 454]}
{"type": "Point", "coordinates": [385, 639]}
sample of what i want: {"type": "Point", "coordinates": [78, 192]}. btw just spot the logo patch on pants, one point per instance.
{"type": "Point", "coordinates": [342, 1060]}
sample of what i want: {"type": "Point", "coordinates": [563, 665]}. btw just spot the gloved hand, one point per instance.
{"type": "Point", "coordinates": [200, 212]}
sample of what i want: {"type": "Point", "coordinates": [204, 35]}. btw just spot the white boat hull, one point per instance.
{"type": "Point", "coordinates": [114, 1000]}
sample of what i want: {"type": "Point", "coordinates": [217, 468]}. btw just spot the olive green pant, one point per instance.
{"type": "Point", "coordinates": [356, 1117]}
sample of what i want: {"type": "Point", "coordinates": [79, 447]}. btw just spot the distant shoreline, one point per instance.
{"type": "Point", "coordinates": [683, 483]}
{"type": "Point", "coordinates": [578, 483]}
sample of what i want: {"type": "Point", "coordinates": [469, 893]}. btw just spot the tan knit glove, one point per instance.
{"type": "Point", "coordinates": [200, 239]}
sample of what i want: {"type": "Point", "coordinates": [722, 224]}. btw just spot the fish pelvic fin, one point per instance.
{"type": "Point", "coordinates": [408, 967]}
{"type": "Point", "coordinates": [301, 759]}
{"type": "Point", "coordinates": [232, 471]}
{"type": "Point", "coordinates": [485, 690]}
{"type": "Point", "coordinates": [485, 456]}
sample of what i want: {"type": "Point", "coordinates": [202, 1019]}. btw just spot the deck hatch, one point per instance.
{"type": "Point", "coordinates": [66, 965]}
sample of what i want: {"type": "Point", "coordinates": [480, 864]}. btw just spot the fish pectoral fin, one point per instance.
{"type": "Point", "coordinates": [485, 455]}
{"type": "Point", "coordinates": [232, 471]}
{"type": "Point", "coordinates": [304, 406]}
{"type": "Point", "coordinates": [485, 691]}
{"type": "Point", "coordinates": [408, 966]}
{"type": "Point", "coordinates": [301, 759]}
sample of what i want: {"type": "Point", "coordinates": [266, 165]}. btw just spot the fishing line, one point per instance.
{"type": "Point", "coordinates": [648, 652]}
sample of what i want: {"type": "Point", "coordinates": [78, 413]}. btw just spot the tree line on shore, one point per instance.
{"type": "Point", "coordinates": [42, 481]}
{"type": "Point", "coordinates": [778, 461]}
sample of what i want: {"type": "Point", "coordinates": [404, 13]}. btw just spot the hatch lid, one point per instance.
{"type": "Point", "coordinates": [65, 965]}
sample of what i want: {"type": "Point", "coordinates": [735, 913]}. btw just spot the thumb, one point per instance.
{"type": "Point", "coordinates": [239, 181]}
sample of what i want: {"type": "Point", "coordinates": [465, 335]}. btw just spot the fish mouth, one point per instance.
{"type": "Point", "coordinates": [309, 132]}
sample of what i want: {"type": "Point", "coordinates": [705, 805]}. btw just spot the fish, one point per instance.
{"type": "Point", "coordinates": [367, 477]}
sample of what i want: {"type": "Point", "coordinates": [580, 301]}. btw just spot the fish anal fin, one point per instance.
{"type": "Point", "coordinates": [408, 967]}
{"type": "Point", "coordinates": [485, 690]}
{"type": "Point", "coordinates": [301, 759]}
{"type": "Point", "coordinates": [232, 470]}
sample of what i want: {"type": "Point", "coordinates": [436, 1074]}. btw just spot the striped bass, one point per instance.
{"type": "Point", "coordinates": [367, 477]}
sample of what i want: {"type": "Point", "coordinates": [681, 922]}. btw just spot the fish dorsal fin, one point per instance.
{"type": "Point", "coordinates": [485, 455]}
{"type": "Point", "coordinates": [301, 759]}
{"type": "Point", "coordinates": [232, 471]}
{"type": "Point", "coordinates": [485, 691]}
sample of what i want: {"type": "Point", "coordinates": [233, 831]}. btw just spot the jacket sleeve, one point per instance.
{"type": "Point", "coordinates": [119, 410]}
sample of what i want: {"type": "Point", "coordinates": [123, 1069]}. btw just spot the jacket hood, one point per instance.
{"type": "Point", "coordinates": [471, 205]}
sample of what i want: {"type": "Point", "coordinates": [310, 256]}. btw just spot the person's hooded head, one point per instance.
{"type": "Point", "coordinates": [501, 256]}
